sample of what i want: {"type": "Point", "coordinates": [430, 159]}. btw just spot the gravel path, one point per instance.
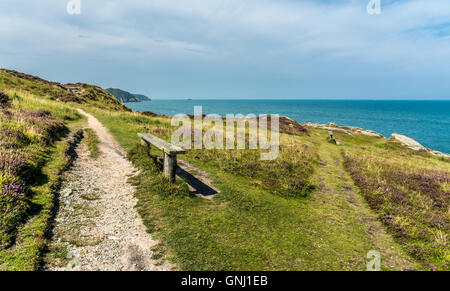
{"type": "Point", "coordinates": [97, 221]}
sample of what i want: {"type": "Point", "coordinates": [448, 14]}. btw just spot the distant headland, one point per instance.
{"type": "Point", "coordinates": [124, 96]}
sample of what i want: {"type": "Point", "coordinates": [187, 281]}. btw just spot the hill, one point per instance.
{"type": "Point", "coordinates": [78, 93]}
{"type": "Point", "coordinates": [124, 96]}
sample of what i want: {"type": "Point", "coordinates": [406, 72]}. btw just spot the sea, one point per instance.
{"type": "Point", "coordinates": [428, 122]}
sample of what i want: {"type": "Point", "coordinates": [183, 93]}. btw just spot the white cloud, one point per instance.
{"type": "Point", "coordinates": [272, 36]}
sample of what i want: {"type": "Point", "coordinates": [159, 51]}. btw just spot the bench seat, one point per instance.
{"type": "Point", "coordinates": [170, 152]}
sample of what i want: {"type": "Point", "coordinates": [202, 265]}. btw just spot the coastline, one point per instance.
{"type": "Point", "coordinates": [350, 130]}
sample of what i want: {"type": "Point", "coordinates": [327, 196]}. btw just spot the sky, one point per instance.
{"type": "Point", "coordinates": [225, 49]}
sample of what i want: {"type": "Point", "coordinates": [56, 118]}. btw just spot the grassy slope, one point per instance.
{"type": "Point", "coordinates": [73, 94]}
{"type": "Point", "coordinates": [32, 93]}
{"type": "Point", "coordinates": [31, 236]}
{"type": "Point", "coordinates": [248, 226]}
{"type": "Point", "coordinates": [410, 192]}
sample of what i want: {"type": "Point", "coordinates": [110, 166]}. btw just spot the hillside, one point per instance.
{"type": "Point", "coordinates": [321, 205]}
{"type": "Point", "coordinates": [78, 93]}
{"type": "Point", "coordinates": [124, 96]}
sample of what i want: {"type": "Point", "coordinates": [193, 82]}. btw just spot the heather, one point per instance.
{"type": "Point", "coordinates": [412, 202]}
{"type": "Point", "coordinates": [288, 176]}
{"type": "Point", "coordinates": [24, 139]}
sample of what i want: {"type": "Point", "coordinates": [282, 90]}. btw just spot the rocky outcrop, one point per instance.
{"type": "Point", "coordinates": [407, 141]}
{"type": "Point", "coordinates": [414, 145]}
{"type": "Point", "coordinates": [350, 130]}
{"type": "Point", "coordinates": [291, 126]}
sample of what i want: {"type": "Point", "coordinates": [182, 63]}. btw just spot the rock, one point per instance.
{"type": "Point", "coordinates": [350, 130]}
{"type": "Point", "coordinates": [409, 142]}
{"type": "Point", "coordinates": [414, 145]}
{"type": "Point", "coordinates": [66, 192]}
{"type": "Point", "coordinates": [291, 126]}
{"type": "Point", "coordinates": [152, 114]}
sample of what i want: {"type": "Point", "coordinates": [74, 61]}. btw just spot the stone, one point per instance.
{"type": "Point", "coordinates": [414, 145]}
{"type": "Point", "coordinates": [66, 192]}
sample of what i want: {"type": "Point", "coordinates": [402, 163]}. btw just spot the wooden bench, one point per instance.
{"type": "Point", "coordinates": [170, 153]}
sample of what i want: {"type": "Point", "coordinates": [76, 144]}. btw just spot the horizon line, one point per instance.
{"type": "Point", "coordinates": [281, 99]}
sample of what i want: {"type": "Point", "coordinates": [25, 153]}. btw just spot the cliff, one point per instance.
{"type": "Point", "coordinates": [124, 96]}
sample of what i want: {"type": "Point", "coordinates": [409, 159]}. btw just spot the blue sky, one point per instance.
{"type": "Point", "coordinates": [235, 48]}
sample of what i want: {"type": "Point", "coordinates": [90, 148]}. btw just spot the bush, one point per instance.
{"type": "Point", "coordinates": [12, 207]}
{"type": "Point", "coordinates": [4, 99]}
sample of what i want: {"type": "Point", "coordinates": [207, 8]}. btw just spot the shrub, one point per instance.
{"type": "Point", "coordinates": [12, 209]}
{"type": "Point", "coordinates": [12, 161]}
{"type": "Point", "coordinates": [4, 99]}
{"type": "Point", "coordinates": [11, 138]}
{"type": "Point", "coordinates": [24, 139]}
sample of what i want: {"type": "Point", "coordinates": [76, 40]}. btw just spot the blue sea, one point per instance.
{"type": "Point", "coordinates": [428, 122]}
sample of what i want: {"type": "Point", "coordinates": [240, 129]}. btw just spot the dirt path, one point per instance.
{"type": "Point", "coordinates": [97, 223]}
{"type": "Point", "coordinates": [335, 183]}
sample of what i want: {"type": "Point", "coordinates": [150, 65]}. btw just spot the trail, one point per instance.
{"type": "Point", "coordinates": [337, 185]}
{"type": "Point", "coordinates": [97, 222]}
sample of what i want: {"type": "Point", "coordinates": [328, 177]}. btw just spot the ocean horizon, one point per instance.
{"type": "Point", "coordinates": [426, 121]}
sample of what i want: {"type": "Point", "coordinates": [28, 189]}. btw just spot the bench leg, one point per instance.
{"type": "Point", "coordinates": [146, 144]}
{"type": "Point", "coordinates": [170, 166]}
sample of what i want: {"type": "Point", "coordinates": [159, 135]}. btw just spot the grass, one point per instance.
{"type": "Point", "coordinates": [410, 194]}
{"type": "Point", "coordinates": [32, 236]}
{"type": "Point", "coordinates": [37, 139]}
{"type": "Point", "coordinates": [252, 224]}
{"type": "Point", "coordinates": [92, 142]}
{"type": "Point", "coordinates": [73, 94]}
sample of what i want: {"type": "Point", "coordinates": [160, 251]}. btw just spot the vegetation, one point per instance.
{"type": "Point", "coordinates": [69, 93]}
{"type": "Point", "coordinates": [255, 222]}
{"type": "Point", "coordinates": [4, 99]}
{"type": "Point", "coordinates": [410, 193]}
{"type": "Point", "coordinates": [32, 157]}
{"type": "Point", "coordinates": [92, 141]}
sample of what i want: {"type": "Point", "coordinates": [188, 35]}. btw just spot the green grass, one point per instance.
{"type": "Point", "coordinates": [73, 94]}
{"type": "Point", "coordinates": [92, 141]}
{"type": "Point", "coordinates": [32, 236]}
{"type": "Point", "coordinates": [249, 225]}
{"type": "Point", "coordinates": [409, 192]}
{"type": "Point", "coordinates": [244, 228]}
{"type": "Point", "coordinates": [45, 150]}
